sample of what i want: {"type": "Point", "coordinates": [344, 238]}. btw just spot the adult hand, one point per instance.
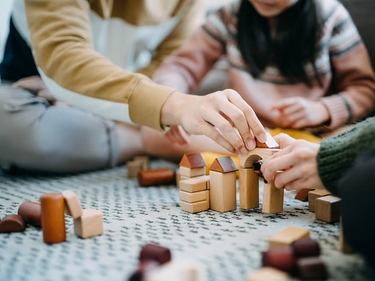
{"type": "Point", "coordinates": [178, 135]}
{"type": "Point", "coordinates": [223, 116]}
{"type": "Point", "coordinates": [297, 113]}
{"type": "Point", "coordinates": [297, 159]}
{"type": "Point", "coordinates": [35, 84]}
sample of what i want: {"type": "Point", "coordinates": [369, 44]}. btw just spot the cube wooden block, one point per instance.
{"type": "Point", "coordinates": [72, 204]}
{"type": "Point", "coordinates": [144, 161]}
{"type": "Point", "coordinates": [192, 197]}
{"type": "Point", "coordinates": [328, 208]}
{"type": "Point", "coordinates": [193, 185]}
{"type": "Point", "coordinates": [286, 237]}
{"type": "Point", "coordinates": [134, 167]}
{"type": "Point", "coordinates": [273, 199]}
{"type": "Point", "coordinates": [192, 172]}
{"type": "Point", "coordinates": [268, 274]}
{"type": "Point", "coordinates": [206, 179]}
{"type": "Point", "coordinates": [195, 207]}
{"type": "Point", "coordinates": [316, 194]}
{"type": "Point", "coordinates": [222, 191]}
{"type": "Point", "coordinates": [89, 224]}
{"type": "Point", "coordinates": [249, 188]}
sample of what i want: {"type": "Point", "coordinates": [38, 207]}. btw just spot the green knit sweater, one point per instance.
{"type": "Point", "coordinates": [337, 154]}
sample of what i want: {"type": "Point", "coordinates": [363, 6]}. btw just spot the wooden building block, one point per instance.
{"type": "Point", "coordinates": [270, 143]}
{"type": "Point", "coordinates": [12, 223]}
{"type": "Point", "coordinates": [178, 177]}
{"type": "Point", "coordinates": [155, 252]}
{"type": "Point", "coordinates": [222, 191]}
{"type": "Point", "coordinates": [223, 165]}
{"type": "Point", "coordinates": [286, 237]}
{"type": "Point", "coordinates": [246, 161]}
{"type": "Point", "coordinates": [328, 208]}
{"type": "Point", "coordinates": [316, 194]}
{"type": "Point", "coordinates": [273, 199]}
{"type": "Point", "coordinates": [144, 161]}
{"type": "Point", "coordinates": [31, 212]}
{"type": "Point", "coordinates": [156, 177]}
{"type": "Point", "coordinates": [53, 218]}
{"type": "Point", "coordinates": [311, 268]}
{"type": "Point", "coordinates": [134, 167]}
{"type": "Point", "coordinates": [268, 274]}
{"type": "Point", "coordinates": [305, 247]}
{"type": "Point", "coordinates": [193, 160]}
{"type": "Point", "coordinates": [206, 179]}
{"type": "Point", "coordinates": [192, 172]}
{"type": "Point", "coordinates": [249, 188]}
{"type": "Point", "coordinates": [344, 246]}
{"type": "Point", "coordinates": [89, 224]}
{"type": "Point", "coordinates": [192, 197]}
{"type": "Point", "coordinates": [279, 258]}
{"type": "Point", "coordinates": [72, 204]}
{"type": "Point", "coordinates": [303, 194]}
{"type": "Point", "coordinates": [195, 207]}
{"type": "Point", "coordinates": [193, 185]}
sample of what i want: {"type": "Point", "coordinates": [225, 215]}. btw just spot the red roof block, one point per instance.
{"type": "Point", "coordinates": [193, 160]}
{"type": "Point", "coordinates": [224, 165]}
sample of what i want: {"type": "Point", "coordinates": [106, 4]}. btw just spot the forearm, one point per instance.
{"type": "Point", "coordinates": [337, 154]}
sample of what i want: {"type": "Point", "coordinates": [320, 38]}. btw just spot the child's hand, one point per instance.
{"type": "Point", "coordinates": [177, 135]}
{"type": "Point", "coordinates": [298, 113]}
{"type": "Point", "coordinates": [35, 84]}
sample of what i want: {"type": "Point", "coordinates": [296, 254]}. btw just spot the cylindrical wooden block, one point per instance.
{"type": "Point", "coordinates": [305, 248]}
{"type": "Point", "coordinates": [156, 253]}
{"type": "Point", "coordinates": [156, 177]}
{"type": "Point", "coordinates": [12, 223]}
{"type": "Point", "coordinates": [53, 219]}
{"type": "Point", "coordinates": [31, 212]}
{"type": "Point", "coordinates": [279, 258]}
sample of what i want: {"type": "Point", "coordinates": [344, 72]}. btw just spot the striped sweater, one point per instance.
{"type": "Point", "coordinates": [342, 60]}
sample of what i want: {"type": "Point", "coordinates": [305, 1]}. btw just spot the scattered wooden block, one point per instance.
{"type": "Point", "coordinates": [31, 212]}
{"type": "Point", "coordinates": [249, 188]}
{"type": "Point", "coordinates": [195, 207]}
{"type": "Point", "coordinates": [190, 172]}
{"type": "Point", "coordinates": [193, 185]}
{"type": "Point", "coordinates": [279, 258]}
{"type": "Point", "coordinates": [89, 224]}
{"type": "Point", "coordinates": [311, 268]}
{"type": "Point", "coordinates": [303, 194]}
{"type": "Point", "coordinates": [72, 204]}
{"type": "Point", "coordinates": [156, 177]}
{"type": "Point", "coordinates": [145, 266]}
{"type": "Point", "coordinates": [273, 199]}
{"type": "Point", "coordinates": [316, 194]}
{"type": "Point", "coordinates": [328, 208]}
{"type": "Point", "coordinates": [305, 248]}
{"type": "Point", "coordinates": [192, 197]}
{"type": "Point", "coordinates": [270, 143]}
{"type": "Point", "coordinates": [12, 223]}
{"type": "Point", "coordinates": [344, 246]}
{"type": "Point", "coordinates": [268, 274]}
{"type": "Point", "coordinates": [53, 218]}
{"type": "Point", "coordinates": [155, 252]}
{"type": "Point", "coordinates": [286, 237]}
{"type": "Point", "coordinates": [144, 161]}
{"type": "Point", "coordinates": [134, 167]}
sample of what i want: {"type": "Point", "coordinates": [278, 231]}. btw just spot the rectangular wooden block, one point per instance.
{"type": "Point", "coordinates": [223, 191]}
{"type": "Point", "coordinates": [72, 204]}
{"type": "Point", "coordinates": [134, 167]}
{"type": "Point", "coordinates": [192, 172]}
{"type": "Point", "coordinates": [249, 188]}
{"type": "Point", "coordinates": [178, 178]}
{"type": "Point", "coordinates": [328, 208]}
{"type": "Point", "coordinates": [316, 194]}
{"type": "Point", "coordinates": [144, 161]}
{"type": "Point", "coordinates": [268, 274]}
{"type": "Point", "coordinates": [89, 224]}
{"type": "Point", "coordinates": [206, 179]}
{"type": "Point", "coordinates": [192, 197]}
{"type": "Point", "coordinates": [273, 199]}
{"type": "Point", "coordinates": [195, 207]}
{"type": "Point", "coordinates": [287, 236]}
{"type": "Point", "coordinates": [193, 185]}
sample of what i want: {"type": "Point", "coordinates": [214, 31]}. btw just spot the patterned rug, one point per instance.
{"type": "Point", "coordinates": [229, 245]}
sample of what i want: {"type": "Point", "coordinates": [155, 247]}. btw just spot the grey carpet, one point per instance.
{"type": "Point", "coordinates": [228, 244]}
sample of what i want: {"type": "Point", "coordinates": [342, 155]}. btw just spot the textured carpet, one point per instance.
{"type": "Point", "coordinates": [228, 244]}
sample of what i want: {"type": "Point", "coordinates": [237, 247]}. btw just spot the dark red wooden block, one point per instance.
{"type": "Point", "coordinates": [156, 253]}
{"type": "Point", "coordinates": [156, 177]}
{"type": "Point", "coordinates": [305, 248]}
{"type": "Point", "coordinates": [311, 268]}
{"type": "Point", "coordinates": [12, 223]}
{"type": "Point", "coordinates": [144, 267]}
{"type": "Point", "coordinates": [31, 212]}
{"type": "Point", "coordinates": [280, 258]}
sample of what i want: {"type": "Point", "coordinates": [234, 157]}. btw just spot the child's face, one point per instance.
{"type": "Point", "coordinates": [271, 8]}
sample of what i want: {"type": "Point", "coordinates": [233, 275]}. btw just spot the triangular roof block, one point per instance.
{"type": "Point", "coordinates": [224, 165]}
{"type": "Point", "coordinates": [193, 160]}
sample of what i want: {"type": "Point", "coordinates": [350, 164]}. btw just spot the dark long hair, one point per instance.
{"type": "Point", "coordinates": [293, 45]}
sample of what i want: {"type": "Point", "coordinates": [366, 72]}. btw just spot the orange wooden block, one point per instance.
{"type": "Point", "coordinates": [268, 274]}
{"type": "Point", "coordinates": [193, 185]}
{"type": "Point", "coordinates": [195, 207]}
{"type": "Point", "coordinates": [31, 212]}
{"type": "Point", "coordinates": [249, 188]}
{"type": "Point", "coordinates": [328, 208]}
{"type": "Point", "coordinates": [12, 223]}
{"type": "Point", "coordinates": [156, 177]}
{"type": "Point", "coordinates": [89, 224]}
{"type": "Point", "coordinates": [303, 194]}
{"type": "Point", "coordinates": [287, 236]}
{"type": "Point", "coordinates": [53, 218]}
{"type": "Point", "coordinates": [313, 195]}
{"type": "Point", "coordinates": [72, 204]}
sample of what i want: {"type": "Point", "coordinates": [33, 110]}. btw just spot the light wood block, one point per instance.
{"type": "Point", "coordinates": [246, 161]}
{"type": "Point", "coordinates": [344, 246]}
{"type": "Point", "coordinates": [268, 274]}
{"type": "Point", "coordinates": [273, 199]}
{"type": "Point", "coordinates": [193, 185]}
{"type": "Point", "coordinates": [89, 224]}
{"type": "Point", "coordinates": [134, 167]}
{"type": "Point", "coordinates": [72, 204]}
{"type": "Point", "coordinates": [206, 179]}
{"type": "Point", "coordinates": [192, 197]}
{"type": "Point", "coordinates": [192, 172]}
{"type": "Point", "coordinates": [328, 208]}
{"type": "Point", "coordinates": [195, 207]}
{"type": "Point", "coordinates": [222, 191]}
{"type": "Point", "coordinates": [316, 194]}
{"type": "Point", "coordinates": [178, 178]}
{"type": "Point", "coordinates": [287, 236]}
{"type": "Point", "coordinates": [144, 161]}
{"type": "Point", "coordinates": [249, 189]}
